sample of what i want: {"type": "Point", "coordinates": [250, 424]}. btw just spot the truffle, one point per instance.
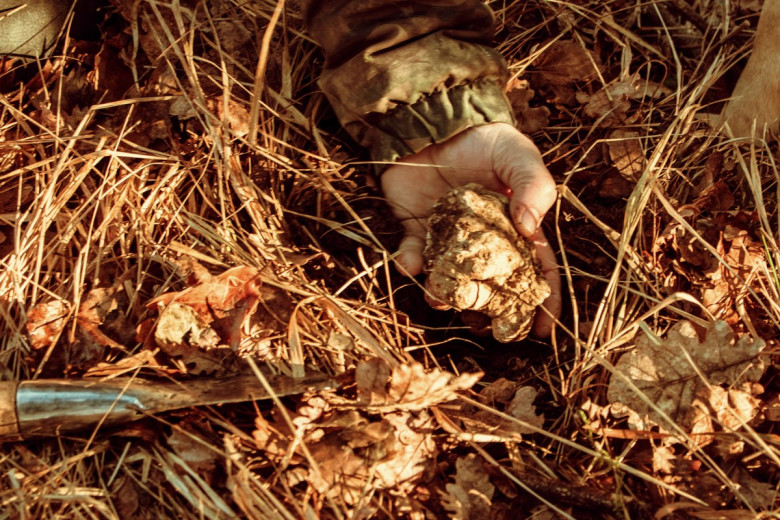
{"type": "Point", "coordinates": [476, 260]}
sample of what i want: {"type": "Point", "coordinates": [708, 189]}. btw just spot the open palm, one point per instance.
{"type": "Point", "coordinates": [500, 158]}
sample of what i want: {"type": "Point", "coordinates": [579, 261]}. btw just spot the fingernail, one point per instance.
{"type": "Point", "coordinates": [529, 221]}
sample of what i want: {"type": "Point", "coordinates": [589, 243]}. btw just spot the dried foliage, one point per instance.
{"type": "Point", "coordinates": [176, 199]}
{"type": "Point", "coordinates": [682, 382]}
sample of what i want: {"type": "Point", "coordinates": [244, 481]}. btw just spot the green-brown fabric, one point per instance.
{"type": "Point", "coordinates": [30, 27]}
{"type": "Point", "coordinates": [402, 75]}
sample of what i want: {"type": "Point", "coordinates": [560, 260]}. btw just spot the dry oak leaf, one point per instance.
{"type": "Point", "coordinates": [612, 102]}
{"type": "Point", "coordinates": [744, 257]}
{"type": "Point", "coordinates": [562, 64]}
{"type": "Point", "coordinates": [489, 425]}
{"type": "Point", "coordinates": [521, 407]}
{"type": "Point", "coordinates": [626, 153]}
{"type": "Point", "coordinates": [391, 453]}
{"type": "Point", "coordinates": [45, 322]}
{"type": "Point", "coordinates": [211, 312]}
{"type": "Point", "coordinates": [669, 373]}
{"type": "Point", "coordinates": [470, 496]}
{"type": "Point", "coordinates": [348, 450]}
{"type": "Point", "coordinates": [409, 386]}
{"type": "Point", "coordinates": [529, 120]}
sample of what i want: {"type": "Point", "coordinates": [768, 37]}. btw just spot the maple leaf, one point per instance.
{"type": "Point", "coordinates": [682, 377]}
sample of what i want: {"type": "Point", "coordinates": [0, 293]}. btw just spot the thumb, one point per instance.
{"type": "Point", "coordinates": [410, 260]}
{"type": "Point", "coordinates": [530, 202]}
{"type": "Point", "coordinates": [519, 165]}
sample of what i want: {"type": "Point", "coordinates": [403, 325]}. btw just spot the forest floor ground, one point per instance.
{"type": "Point", "coordinates": [179, 156]}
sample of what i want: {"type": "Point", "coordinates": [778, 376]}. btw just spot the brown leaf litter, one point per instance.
{"type": "Point", "coordinates": [611, 104]}
{"type": "Point", "coordinates": [699, 385]}
{"type": "Point", "coordinates": [724, 279]}
{"type": "Point", "coordinates": [382, 437]}
{"type": "Point", "coordinates": [204, 325]}
{"type": "Point", "coordinates": [469, 497]}
{"type": "Point", "coordinates": [529, 119]}
{"type": "Point", "coordinates": [561, 65]}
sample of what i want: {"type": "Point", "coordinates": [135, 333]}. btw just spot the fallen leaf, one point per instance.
{"type": "Point", "coordinates": [371, 377]}
{"type": "Point", "coordinates": [615, 186]}
{"type": "Point", "coordinates": [202, 327]}
{"type": "Point", "coordinates": [663, 459]}
{"type": "Point", "coordinates": [505, 396]}
{"type": "Point", "coordinates": [470, 496]}
{"type": "Point", "coordinates": [719, 278]}
{"type": "Point", "coordinates": [521, 407]}
{"type": "Point", "coordinates": [408, 386]}
{"type": "Point", "coordinates": [761, 496]}
{"type": "Point", "coordinates": [411, 388]}
{"type": "Point", "coordinates": [233, 34]}
{"type": "Point", "coordinates": [234, 114]}
{"type": "Point", "coordinates": [499, 391]}
{"type": "Point", "coordinates": [390, 453]}
{"type": "Point", "coordinates": [717, 197]}
{"type": "Point", "coordinates": [194, 450]}
{"type": "Point", "coordinates": [124, 496]}
{"type": "Point", "coordinates": [45, 323]}
{"type": "Point", "coordinates": [725, 284]}
{"type": "Point", "coordinates": [101, 326]}
{"type": "Point", "coordinates": [610, 104]}
{"type": "Point", "coordinates": [179, 328]}
{"type": "Point", "coordinates": [110, 76]}
{"type": "Point", "coordinates": [626, 152]}
{"type": "Point", "coordinates": [221, 303]}
{"type": "Point", "coordinates": [562, 64]}
{"type": "Point", "coordinates": [669, 373]}
{"type": "Point", "coordinates": [529, 120]}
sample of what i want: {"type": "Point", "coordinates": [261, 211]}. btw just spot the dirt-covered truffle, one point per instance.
{"type": "Point", "coordinates": [476, 260]}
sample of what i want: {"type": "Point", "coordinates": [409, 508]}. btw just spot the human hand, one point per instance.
{"type": "Point", "coordinates": [500, 158]}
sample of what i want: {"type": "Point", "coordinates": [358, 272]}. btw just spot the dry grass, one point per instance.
{"type": "Point", "coordinates": [113, 171]}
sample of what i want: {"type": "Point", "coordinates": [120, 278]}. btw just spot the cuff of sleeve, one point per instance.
{"type": "Point", "coordinates": [434, 118]}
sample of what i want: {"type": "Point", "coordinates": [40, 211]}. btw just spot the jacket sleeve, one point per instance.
{"type": "Point", "coordinates": [404, 74]}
